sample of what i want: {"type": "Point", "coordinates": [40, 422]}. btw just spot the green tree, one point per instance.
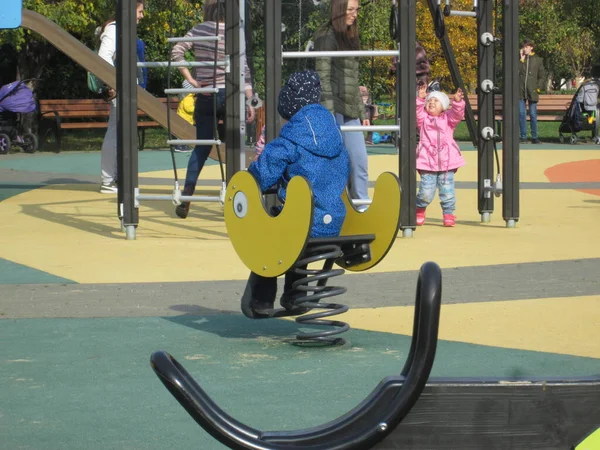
{"type": "Point", "coordinates": [462, 33]}
{"type": "Point", "coordinates": [373, 23]}
{"type": "Point", "coordinates": [563, 35]}
{"type": "Point", "coordinates": [35, 53]}
{"type": "Point", "coordinates": [576, 53]}
{"type": "Point", "coordinates": [159, 23]}
{"type": "Point", "coordinates": [56, 75]}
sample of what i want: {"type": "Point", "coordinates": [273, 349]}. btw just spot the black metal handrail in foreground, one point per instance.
{"type": "Point", "coordinates": [361, 428]}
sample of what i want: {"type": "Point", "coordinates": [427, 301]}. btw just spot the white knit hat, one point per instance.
{"type": "Point", "coordinates": [443, 98]}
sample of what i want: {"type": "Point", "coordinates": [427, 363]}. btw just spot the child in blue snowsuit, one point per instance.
{"type": "Point", "coordinates": [310, 144]}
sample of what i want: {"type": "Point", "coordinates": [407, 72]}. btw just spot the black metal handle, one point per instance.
{"type": "Point", "coordinates": [362, 427]}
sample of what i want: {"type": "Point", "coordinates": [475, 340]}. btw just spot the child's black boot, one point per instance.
{"type": "Point", "coordinates": [258, 301]}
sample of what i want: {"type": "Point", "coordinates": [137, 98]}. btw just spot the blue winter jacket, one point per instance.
{"type": "Point", "coordinates": [310, 145]}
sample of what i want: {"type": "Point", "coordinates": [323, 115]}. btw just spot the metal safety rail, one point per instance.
{"type": "Point", "coordinates": [340, 54]}
{"type": "Point", "coordinates": [362, 427]}
{"type": "Point", "coordinates": [155, 64]}
{"type": "Point", "coordinates": [370, 128]}
{"type": "Point", "coordinates": [448, 11]}
{"type": "Point", "coordinates": [352, 54]}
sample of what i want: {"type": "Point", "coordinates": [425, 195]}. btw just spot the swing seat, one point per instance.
{"type": "Point", "coordinates": [356, 249]}
{"type": "Point", "coordinates": [347, 250]}
{"type": "Point", "coordinates": [270, 246]}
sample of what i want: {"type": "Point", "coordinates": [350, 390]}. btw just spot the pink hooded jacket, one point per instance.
{"type": "Point", "coordinates": [437, 150]}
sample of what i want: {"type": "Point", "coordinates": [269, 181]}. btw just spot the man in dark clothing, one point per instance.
{"type": "Point", "coordinates": [532, 78]}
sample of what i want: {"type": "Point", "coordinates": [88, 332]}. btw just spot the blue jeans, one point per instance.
{"type": "Point", "coordinates": [204, 117]}
{"type": "Point", "coordinates": [354, 141]}
{"type": "Point", "coordinates": [444, 182]}
{"type": "Point", "coordinates": [523, 118]}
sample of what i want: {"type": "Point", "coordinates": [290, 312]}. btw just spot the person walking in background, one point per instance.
{"type": "Point", "coordinates": [532, 78]}
{"type": "Point", "coordinates": [214, 16]}
{"type": "Point", "coordinates": [141, 57]}
{"type": "Point", "coordinates": [438, 154]}
{"type": "Point", "coordinates": [108, 52]}
{"type": "Point", "coordinates": [341, 93]}
{"type": "Point", "coordinates": [260, 144]}
{"type": "Point", "coordinates": [371, 110]}
{"type": "Point", "coordinates": [422, 68]}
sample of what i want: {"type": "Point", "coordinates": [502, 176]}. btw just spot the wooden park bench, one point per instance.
{"type": "Point", "coordinates": [550, 108]}
{"type": "Point", "coordinates": [73, 114]}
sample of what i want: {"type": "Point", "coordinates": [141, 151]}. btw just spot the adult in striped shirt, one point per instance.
{"type": "Point", "coordinates": [214, 19]}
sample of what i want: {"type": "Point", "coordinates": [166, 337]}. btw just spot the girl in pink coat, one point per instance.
{"type": "Point", "coordinates": [438, 155]}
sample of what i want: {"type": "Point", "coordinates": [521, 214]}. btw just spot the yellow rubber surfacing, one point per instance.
{"type": "Point", "coordinates": [556, 325]}
{"type": "Point", "coordinates": [71, 231]}
{"type": "Point", "coordinates": [533, 163]}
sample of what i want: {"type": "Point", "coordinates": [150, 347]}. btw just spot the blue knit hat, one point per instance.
{"type": "Point", "coordinates": [301, 89]}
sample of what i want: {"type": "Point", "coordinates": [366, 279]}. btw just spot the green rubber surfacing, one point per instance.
{"type": "Point", "coordinates": [87, 383]}
{"type": "Point", "coordinates": [14, 273]}
{"type": "Point", "coordinates": [89, 163]}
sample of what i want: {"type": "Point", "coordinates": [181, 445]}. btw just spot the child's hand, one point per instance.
{"type": "Point", "coordinates": [459, 96]}
{"type": "Point", "coordinates": [422, 92]}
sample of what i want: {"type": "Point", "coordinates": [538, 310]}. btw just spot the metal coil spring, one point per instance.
{"type": "Point", "coordinates": [310, 296]}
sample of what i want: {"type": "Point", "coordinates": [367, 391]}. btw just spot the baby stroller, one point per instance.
{"type": "Point", "coordinates": [15, 99]}
{"type": "Point", "coordinates": [582, 114]}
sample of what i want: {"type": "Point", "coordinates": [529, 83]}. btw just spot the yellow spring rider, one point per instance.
{"type": "Point", "coordinates": [271, 246]}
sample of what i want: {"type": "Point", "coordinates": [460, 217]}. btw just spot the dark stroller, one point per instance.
{"type": "Point", "coordinates": [582, 114]}
{"type": "Point", "coordinates": [15, 99]}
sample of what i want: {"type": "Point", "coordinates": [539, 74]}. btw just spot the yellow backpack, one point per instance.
{"type": "Point", "coordinates": [186, 108]}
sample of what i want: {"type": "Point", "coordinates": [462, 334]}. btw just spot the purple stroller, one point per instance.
{"type": "Point", "coordinates": [15, 99]}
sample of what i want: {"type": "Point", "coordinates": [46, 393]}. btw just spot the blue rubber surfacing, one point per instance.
{"type": "Point", "coordinates": [89, 163]}
{"type": "Point", "coordinates": [14, 273]}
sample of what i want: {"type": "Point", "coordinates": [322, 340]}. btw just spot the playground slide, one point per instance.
{"type": "Point", "coordinates": [89, 60]}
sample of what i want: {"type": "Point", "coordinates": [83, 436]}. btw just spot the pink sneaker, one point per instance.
{"type": "Point", "coordinates": [420, 216]}
{"type": "Point", "coordinates": [449, 220]}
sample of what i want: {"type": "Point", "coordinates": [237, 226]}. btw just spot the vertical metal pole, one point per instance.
{"type": "Point", "coordinates": [273, 60]}
{"type": "Point", "coordinates": [235, 123]}
{"type": "Point", "coordinates": [510, 99]}
{"type": "Point", "coordinates": [455, 74]}
{"type": "Point", "coordinates": [127, 153]}
{"type": "Point", "coordinates": [406, 110]}
{"type": "Point", "coordinates": [485, 102]}
{"type": "Point", "coordinates": [248, 41]}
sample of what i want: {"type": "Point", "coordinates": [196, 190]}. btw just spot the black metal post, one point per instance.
{"type": "Point", "coordinates": [127, 153]}
{"type": "Point", "coordinates": [406, 112]}
{"type": "Point", "coordinates": [235, 127]}
{"type": "Point", "coordinates": [448, 51]}
{"type": "Point", "coordinates": [273, 60]}
{"type": "Point", "coordinates": [510, 100]}
{"type": "Point", "coordinates": [249, 33]}
{"type": "Point", "coordinates": [485, 102]}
